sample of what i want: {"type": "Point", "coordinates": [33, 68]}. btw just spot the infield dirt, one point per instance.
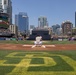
{"type": "Point", "coordinates": [28, 47]}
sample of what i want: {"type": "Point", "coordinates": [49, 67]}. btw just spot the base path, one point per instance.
{"type": "Point", "coordinates": [28, 47]}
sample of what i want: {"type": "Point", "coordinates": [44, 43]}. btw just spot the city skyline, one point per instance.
{"type": "Point", "coordinates": [6, 7]}
{"type": "Point", "coordinates": [22, 21]}
{"type": "Point", "coordinates": [56, 11]}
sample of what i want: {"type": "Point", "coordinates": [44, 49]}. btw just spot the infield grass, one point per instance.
{"type": "Point", "coordinates": [22, 62]}
{"type": "Point", "coordinates": [48, 42]}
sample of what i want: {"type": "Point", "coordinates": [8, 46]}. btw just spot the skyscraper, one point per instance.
{"type": "Point", "coordinates": [67, 27]}
{"type": "Point", "coordinates": [6, 7]}
{"type": "Point", "coordinates": [55, 27]}
{"type": "Point", "coordinates": [42, 22]}
{"type": "Point", "coordinates": [22, 21]}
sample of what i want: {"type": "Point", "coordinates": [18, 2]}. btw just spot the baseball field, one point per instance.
{"type": "Point", "coordinates": [18, 58]}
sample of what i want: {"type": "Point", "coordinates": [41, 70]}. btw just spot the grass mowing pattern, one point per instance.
{"type": "Point", "coordinates": [60, 66]}
{"type": "Point", "coordinates": [13, 61]}
{"type": "Point", "coordinates": [37, 63]}
{"type": "Point", "coordinates": [6, 69]}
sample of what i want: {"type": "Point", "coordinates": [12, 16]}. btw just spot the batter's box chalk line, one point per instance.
{"type": "Point", "coordinates": [39, 46]}
{"type": "Point", "coordinates": [44, 46]}
{"type": "Point", "coordinates": [50, 45]}
{"type": "Point", "coordinates": [27, 45]}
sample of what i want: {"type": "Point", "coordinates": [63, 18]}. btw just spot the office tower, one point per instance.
{"type": "Point", "coordinates": [22, 21]}
{"type": "Point", "coordinates": [67, 28]}
{"type": "Point", "coordinates": [55, 27]}
{"type": "Point", "coordinates": [14, 29]}
{"type": "Point", "coordinates": [42, 22]}
{"type": "Point", "coordinates": [32, 26]}
{"type": "Point", "coordinates": [75, 19]}
{"type": "Point", "coordinates": [6, 7]}
{"type": "Point", "coordinates": [59, 31]}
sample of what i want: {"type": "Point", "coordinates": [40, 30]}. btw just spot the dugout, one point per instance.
{"type": "Point", "coordinates": [44, 33]}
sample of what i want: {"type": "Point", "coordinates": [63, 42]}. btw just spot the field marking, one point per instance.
{"type": "Point", "coordinates": [69, 60]}
{"type": "Point", "coordinates": [44, 45]}
{"type": "Point", "coordinates": [50, 45]}
{"type": "Point", "coordinates": [27, 45]}
{"type": "Point", "coordinates": [22, 66]}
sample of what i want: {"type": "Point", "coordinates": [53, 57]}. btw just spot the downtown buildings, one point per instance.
{"type": "Point", "coordinates": [22, 21]}
{"type": "Point", "coordinates": [67, 28]}
{"type": "Point", "coordinates": [6, 7]}
{"type": "Point", "coordinates": [42, 22]}
{"type": "Point", "coordinates": [55, 29]}
{"type": "Point", "coordinates": [5, 18]}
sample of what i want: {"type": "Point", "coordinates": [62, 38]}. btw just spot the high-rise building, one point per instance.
{"type": "Point", "coordinates": [14, 29]}
{"type": "Point", "coordinates": [42, 22]}
{"type": "Point", "coordinates": [22, 21]}
{"type": "Point", "coordinates": [75, 19]}
{"type": "Point", "coordinates": [6, 7]}
{"type": "Point", "coordinates": [32, 26]}
{"type": "Point", "coordinates": [55, 27]}
{"type": "Point", "coordinates": [67, 28]}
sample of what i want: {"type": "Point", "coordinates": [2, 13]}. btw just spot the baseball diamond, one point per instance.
{"type": "Point", "coordinates": [21, 59]}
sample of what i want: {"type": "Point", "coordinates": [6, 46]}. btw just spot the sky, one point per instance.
{"type": "Point", "coordinates": [56, 11]}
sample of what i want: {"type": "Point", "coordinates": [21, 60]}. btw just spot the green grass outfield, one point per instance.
{"type": "Point", "coordinates": [22, 62]}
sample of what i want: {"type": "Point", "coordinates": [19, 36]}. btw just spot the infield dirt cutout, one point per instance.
{"type": "Point", "coordinates": [28, 47]}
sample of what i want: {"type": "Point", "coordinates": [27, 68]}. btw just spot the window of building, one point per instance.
{"type": "Point", "coordinates": [5, 1]}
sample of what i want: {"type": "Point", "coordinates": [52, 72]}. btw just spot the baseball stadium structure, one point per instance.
{"type": "Point", "coordinates": [42, 32]}
{"type": "Point", "coordinates": [4, 26]}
